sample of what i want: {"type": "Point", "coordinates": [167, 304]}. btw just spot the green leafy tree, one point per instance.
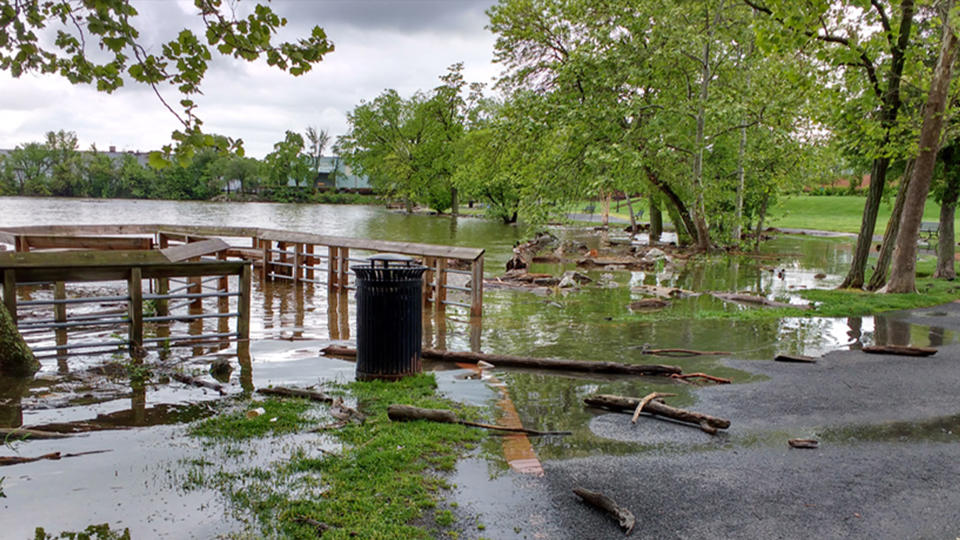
{"type": "Point", "coordinates": [288, 163]}
{"type": "Point", "coordinates": [56, 37]}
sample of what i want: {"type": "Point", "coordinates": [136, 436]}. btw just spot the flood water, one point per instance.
{"type": "Point", "coordinates": [137, 481]}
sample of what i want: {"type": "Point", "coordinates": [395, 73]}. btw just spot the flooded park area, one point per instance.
{"type": "Point", "coordinates": [135, 462]}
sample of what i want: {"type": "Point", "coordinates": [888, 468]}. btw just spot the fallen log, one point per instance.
{"type": "Point", "coordinates": [523, 253]}
{"type": "Point", "coordinates": [755, 300]}
{"type": "Point", "coordinates": [16, 460]}
{"type": "Point", "coordinates": [663, 292]}
{"type": "Point", "coordinates": [409, 413]}
{"type": "Point", "coordinates": [500, 360]}
{"type": "Point", "coordinates": [193, 381]}
{"type": "Point", "coordinates": [608, 505]}
{"type": "Point", "coordinates": [901, 350]}
{"type": "Point", "coordinates": [26, 433]}
{"type": "Point", "coordinates": [295, 392]}
{"type": "Point", "coordinates": [803, 443]}
{"type": "Point", "coordinates": [679, 353]}
{"type": "Point", "coordinates": [797, 358]}
{"type": "Point", "coordinates": [628, 405]}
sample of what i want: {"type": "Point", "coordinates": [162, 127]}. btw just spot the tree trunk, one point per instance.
{"type": "Point", "coordinates": [903, 272]}
{"type": "Point", "coordinates": [633, 217]}
{"type": "Point", "coordinates": [881, 270]}
{"type": "Point", "coordinates": [878, 173]}
{"type": "Point", "coordinates": [945, 250]}
{"type": "Point", "coordinates": [16, 358]}
{"type": "Point", "coordinates": [760, 217]}
{"type": "Point", "coordinates": [656, 220]}
{"type": "Point", "coordinates": [683, 213]}
{"type": "Point", "coordinates": [454, 203]}
{"type": "Point", "coordinates": [741, 181]}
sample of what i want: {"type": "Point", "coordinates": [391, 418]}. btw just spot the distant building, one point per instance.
{"type": "Point", "coordinates": [332, 172]}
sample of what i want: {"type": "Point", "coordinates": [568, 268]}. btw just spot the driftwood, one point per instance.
{"type": "Point", "coordinates": [797, 358]}
{"type": "Point", "coordinates": [601, 501]}
{"type": "Point", "coordinates": [645, 401]}
{"type": "Point", "coordinates": [804, 443]}
{"type": "Point", "coordinates": [755, 300]}
{"type": "Point", "coordinates": [523, 253]}
{"type": "Point", "coordinates": [409, 413]}
{"type": "Point", "coordinates": [16, 460]}
{"type": "Point", "coordinates": [193, 381]}
{"type": "Point", "coordinates": [26, 433]}
{"type": "Point", "coordinates": [663, 292]}
{"type": "Point", "coordinates": [707, 423]}
{"type": "Point", "coordinates": [295, 392]}
{"type": "Point", "coordinates": [500, 360]}
{"type": "Point", "coordinates": [648, 303]}
{"type": "Point", "coordinates": [711, 378]}
{"type": "Point", "coordinates": [678, 353]}
{"type": "Point", "coordinates": [901, 350]}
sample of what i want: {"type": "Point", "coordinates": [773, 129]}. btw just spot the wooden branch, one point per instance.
{"type": "Point", "coordinates": [16, 460]}
{"type": "Point", "coordinates": [798, 358]}
{"type": "Point", "coordinates": [901, 350]}
{"type": "Point", "coordinates": [26, 433]}
{"type": "Point", "coordinates": [295, 392]}
{"type": "Point", "coordinates": [193, 381]}
{"type": "Point", "coordinates": [680, 353]}
{"type": "Point", "coordinates": [409, 413]}
{"type": "Point", "coordinates": [319, 526]}
{"type": "Point", "coordinates": [756, 300]}
{"type": "Point", "coordinates": [629, 404]}
{"type": "Point", "coordinates": [804, 443]}
{"type": "Point", "coordinates": [647, 399]}
{"type": "Point", "coordinates": [608, 505]}
{"type": "Point", "coordinates": [711, 378]}
{"type": "Point", "coordinates": [500, 360]}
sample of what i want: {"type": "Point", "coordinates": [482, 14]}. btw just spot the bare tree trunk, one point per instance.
{"type": "Point", "coordinates": [762, 215]}
{"type": "Point", "coordinates": [878, 173]}
{"type": "Point", "coordinates": [633, 217]}
{"type": "Point", "coordinates": [880, 272]}
{"type": "Point", "coordinates": [455, 203]}
{"type": "Point", "coordinates": [741, 181]}
{"type": "Point", "coordinates": [945, 251]}
{"type": "Point", "coordinates": [903, 272]}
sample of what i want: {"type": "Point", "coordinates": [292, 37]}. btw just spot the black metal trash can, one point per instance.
{"type": "Point", "coordinates": [389, 317]}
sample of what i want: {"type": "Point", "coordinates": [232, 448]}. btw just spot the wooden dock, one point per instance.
{"type": "Point", "coordinates": [195, 255]}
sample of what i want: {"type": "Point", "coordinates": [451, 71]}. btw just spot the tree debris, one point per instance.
{"type": "Point", "coordinates": [408, 413]}
{"type": "Point", "coordinates": [796, 358]}
{"type": "Point", "coordinates": [804, 443]}
{"type": "Point", "coordinates": [16, 460]}
{"type": "Point", "coordinates": [707, 423]}
{"type": "Point", "coordinates": [901, 350]}
{"type": "Point", "coordinates": [193, 381]}
{"type": "Point", "coordinates": [295, 392]}
{"type": "Point", "coordinates": [755, 300]}
{"type": "Point", "coordinates": [500, 360]}
{"type": "Point", "coordinates": [319, 526]}
{"type": "Point", "coordinates": [26, 433]}
{"type": "Point", "coordinates": [608, 505]}
{"type": "Point", "coordinates": [647, 399]}
{"type": "Point", "coordinates": [711, 378]}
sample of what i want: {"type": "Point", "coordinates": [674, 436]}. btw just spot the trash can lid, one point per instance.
{"type": "Point", "coordinates": [390, 259]}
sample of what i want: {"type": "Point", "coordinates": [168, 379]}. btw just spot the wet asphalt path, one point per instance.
{"type": "Point", "coordinates": [888, 465]}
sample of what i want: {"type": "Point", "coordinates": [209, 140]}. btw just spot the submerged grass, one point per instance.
{"type": "Point", "coordinates": [382, 484]}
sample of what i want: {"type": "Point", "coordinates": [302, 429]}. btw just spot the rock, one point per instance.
{"type": "Point", "coordinates": [220, 369]}
{"type": "Point", "coordinates": [654, 255]}
{"type": "Point", "coordinates": [648, 303]}
{"type": "Point", "coordinates": [820, 276]}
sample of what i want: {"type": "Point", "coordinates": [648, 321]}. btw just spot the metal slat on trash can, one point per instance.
{"type": "Point", "coordinates": [389, 317]}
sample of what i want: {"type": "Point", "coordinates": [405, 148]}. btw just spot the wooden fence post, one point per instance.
{"type": "Point", "coordinates": [476, 287]}
{"type": "Point", "coordinates": [243, 312]}
{"type": "Point", "coordinates": [343, 280]}
{"type": "Point", "coordinates": [135, 311]}
{"type": "Point", "coordinates": [333, 258]}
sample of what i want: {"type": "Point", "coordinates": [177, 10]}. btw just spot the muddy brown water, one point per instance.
{"type": "Point", "coordinates": [141, 482]}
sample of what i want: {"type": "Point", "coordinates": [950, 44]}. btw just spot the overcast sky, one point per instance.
{"type": "Point", "coordinates": [380, 44]}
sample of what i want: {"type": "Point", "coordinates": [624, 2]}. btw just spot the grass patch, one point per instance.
{"type": "Point", "coordinates": [280, 417]}
{"type": "Point", "coordinates": [384, 483]}
{"type": "Point", "coordinates": [841, 213]}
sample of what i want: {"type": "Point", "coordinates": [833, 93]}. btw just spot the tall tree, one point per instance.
{"type": "Point", "coordinates": [903, 269]}
{"type": "Point", "coordinates": [866, 68]}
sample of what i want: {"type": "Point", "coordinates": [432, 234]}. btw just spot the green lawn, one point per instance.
{"type": "Point", "coordinates": [842, 213]}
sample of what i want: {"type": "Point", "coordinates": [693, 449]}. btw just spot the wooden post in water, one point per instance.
{"type": "Point", "coordinates": [282, 246]}
{"type": "Point", "coordinates": [243, 312]}
{"type": "Point", "coordinates": [60, 316]}
{"type": "Point", "coordinates": [297, 250]}
{"type": "Point", "coordinates": [311, 261]}
{"type": "Point", "coordinates": [333, 258]}
{"type": "Point", "coordinates": [10, 293]}
{"type": "Point", "coordinates": [343, 280]}
{"type": "Point", "coordinates": [135, 311]}
{"type": "Point", "coordinates": [265, 269]}
{"type": "Point", "coordinates": [429, 262]}
{"type": "Point", "coordinates": [441, 285]}
{"type": "Point", "coordinates": [476, 287]}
